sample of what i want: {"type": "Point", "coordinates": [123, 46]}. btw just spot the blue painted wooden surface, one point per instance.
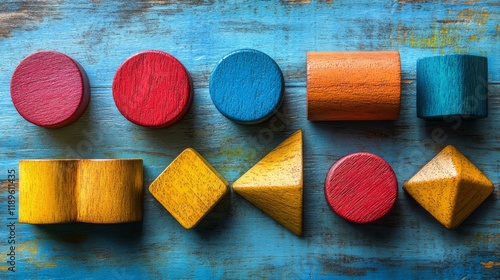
{"type": "Point", "coordinates": [452, 85]}
{"type": "Point", "coordinates": [247, 86]}
{"type": "Point", "coordinates": [236, 240]}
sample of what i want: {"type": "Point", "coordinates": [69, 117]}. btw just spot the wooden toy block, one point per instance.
{"type": "Point", "coordinates": [275, 184]}
{"type": "Point", "coordinates": [189, 188]}
{"type": "Point", "coordinates": [152, 89]}
{"type": "Point", "coordinates": [361, 187]}
{"type": "Point", "coordinates": [91, 191]}
{"type": "Point", "coordinates": [247, 86]}
{"type": "Point", "coordinates": [452, 85]}
{"type": "Point", "coordinates": [449, 187]}
{"type": "Point", "coordinates": [353, 85]}
{"type": "Point", "coordinates": [50, 89]}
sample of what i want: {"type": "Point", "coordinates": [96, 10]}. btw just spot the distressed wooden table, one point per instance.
{"type": "Point", "coordinates": [236, 240]}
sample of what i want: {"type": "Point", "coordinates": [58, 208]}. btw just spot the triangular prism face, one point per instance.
{"type": "Point", "coordinates": [450, 187]}
{"type": "Point", "coordinates": [275, 183]}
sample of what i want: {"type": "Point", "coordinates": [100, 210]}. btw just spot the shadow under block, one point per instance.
{"type": "Point", "coordinates": [189, 188]}
{"type": "Point", "coordinates": [152, 89]}
{"type": "Point", "coordinates": [361, 187]}
{"type": "Point", "coordinates": [247, 86]}
{"type": "Point", "coordinates": [452, 85]}
{"type": "Point", "coordinates": [353, 85]}
{"type": "Point", "coordinates": [90, 191]}
{"type": "Point", "coordinates": [275, 184]}
{"type": "Point", "coordinates": [449, 187]}
{"type": "Point", "coordinates": [50, 89]}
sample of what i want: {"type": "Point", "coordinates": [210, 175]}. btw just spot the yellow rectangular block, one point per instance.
{"type": "Point", "coordinates": [92, 191]}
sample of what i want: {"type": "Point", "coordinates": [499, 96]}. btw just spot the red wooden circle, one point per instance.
{"type": "Point", "coordinates": [50, 89]}
{"type": "Point", "coordinates": [361, 187]}
{"type": "Point", "coordinates": [152, 89]}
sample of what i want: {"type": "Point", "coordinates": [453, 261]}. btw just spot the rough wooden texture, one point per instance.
{"type": "Point", "coordinates": [247, 86]}
{"type": "Point", "coordinates": [353, 85]}
{"type": "Point", "coordinates": [450, 187]}
{"type": "Point", "coordinates": [189, 188]}
{"type": "Point", "coordinates": [152, 89]}
{"type": "Point", "coordinates": [408, 243]}
{"type": "Point", "coordinates": [452, 85]}
{"type": "Point", "coordinates": [90, 191]}
{"type": "Point", "coordinates": [361, 187]}
{"type": "Point", "coordinates": [275, 183]}
{"type": "Point", "coordinates": [50, 89]}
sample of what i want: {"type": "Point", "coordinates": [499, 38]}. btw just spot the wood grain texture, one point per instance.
{"type": "Point", "coordinates": [406, 243]}
{"type": "Point", "coordinates": [247, 86]}
{"type": "Point", "coordinates": [90, 191]}
{"type": "Point", "coordinates": [275, 183]}
{"type": "Point", "coordinates": [152, 89]}
{"type": "Point", "coordinates": [189, 188]}
{"type": "Point", "coordinates": [452, 85]}
{"type": "Point", "coordinates": [449, 187]}
{"type": "Point", "coordinates": [50, 89]}
{"type": "Point", "coordinates": [361, 187]}
{"type": "Point", "coordinates": [353, 85]}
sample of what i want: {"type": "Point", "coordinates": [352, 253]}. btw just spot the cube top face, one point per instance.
{"type": "Point", "coordinates": [189, 188]}
{"type": "Point", "coordinates": [450, 187]}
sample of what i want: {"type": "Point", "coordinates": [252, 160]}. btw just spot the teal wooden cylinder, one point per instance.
{"type": "Point", "coordinates": [452, 85]}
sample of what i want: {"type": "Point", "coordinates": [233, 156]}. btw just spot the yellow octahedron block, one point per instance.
{"type": "Point", "coordinates": [91, 191]}
{"type": "Point", "coordinates": [189, 188]}
{"type": "Point", "coordinates": [449, 187]}
{"type": "Point", "coordinates": [275, 183]}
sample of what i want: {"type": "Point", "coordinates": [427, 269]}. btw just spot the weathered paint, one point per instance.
{"type": "Point", "coordinates": [235, 240]}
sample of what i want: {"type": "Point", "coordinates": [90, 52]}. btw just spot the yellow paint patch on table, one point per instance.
{"type": "Point", "coordinates": [189, 188]}
{"type": "Point", "coordinates": [92, 191]}
{"type": "Point", "coordinates": [449, 187]}
{"type": "Point", "coordinates": [275, 183]}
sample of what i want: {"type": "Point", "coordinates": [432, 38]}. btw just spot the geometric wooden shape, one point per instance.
{"type": "Point", "coordinates": [275, 184]}
{"type": "Point", "coordinates": [452, 85]}
{"type": "Point", "coordinates": [189, 188]}
{"type": "Point", "coordinates": [353, 85]}
{"type": "Point", "coordinates": [361, 187]}
{"type": "Point", "coordinates": [152, 89]}
{"type": "Point", "coordinates": [449, 187]}
{"type": "Point", "coordinates": [50, 89]}
{"type": "Point", "coordinates": [247, 86]}
{"type": "Point", "coordinates": [91, 191]}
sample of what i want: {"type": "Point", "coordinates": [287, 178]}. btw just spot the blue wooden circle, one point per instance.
{"type": "Point", "coordinates": [247, 86]}
{"type": "Point", "coordinates": [452, 85]}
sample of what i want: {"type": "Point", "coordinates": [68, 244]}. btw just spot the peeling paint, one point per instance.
{"type": "Point", "coordinates": [490, 264]}
{"type": "Point", "coordinates": [25, 14]}
{"type": "Point", "coordinates": [470, 16]}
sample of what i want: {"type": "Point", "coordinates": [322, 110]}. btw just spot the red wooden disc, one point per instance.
{"type": "Point", "coordinates": [50, 89]}
{"type": "Point", "coordinates": [361, 187]}
{"type": "Point", "coordinates": [152, 89]}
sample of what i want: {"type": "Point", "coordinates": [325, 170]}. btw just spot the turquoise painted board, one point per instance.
{"type": "Point", "coordinates": [236, 240]}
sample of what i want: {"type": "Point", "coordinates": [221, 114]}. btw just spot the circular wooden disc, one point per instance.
{"type": "Point", "coordinates": [50, 89]}
{"type": "Point", "coordinates": [247, 86]}
{"type": "Point", "coordinates": [152, 89]}
{"type": "Point", "coordinates": [361, 187]}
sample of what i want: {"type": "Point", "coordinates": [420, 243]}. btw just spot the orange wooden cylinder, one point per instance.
{"type": "Point", "coordinates": [353, 85]}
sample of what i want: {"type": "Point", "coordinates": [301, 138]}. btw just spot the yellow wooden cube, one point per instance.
{"type": "Point", "coordinates": [189, 188]}
{"type": "Point", "coordinates": [449, 187]}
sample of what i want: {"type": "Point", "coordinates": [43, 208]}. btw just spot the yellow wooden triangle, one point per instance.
{"type": "Point", "coordinates": [275, 183]}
